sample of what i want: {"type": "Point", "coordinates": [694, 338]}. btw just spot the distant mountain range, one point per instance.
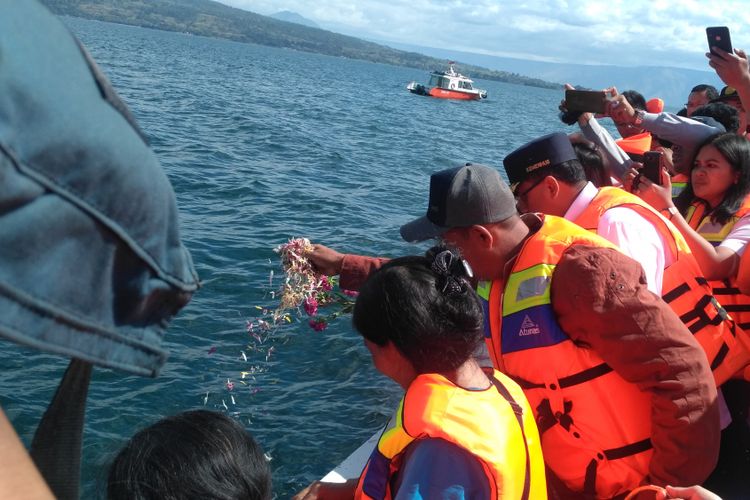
{"type": "Point", "coordinates": [293, 17]}
{"type": "Point", "coordinates": [208, 18]}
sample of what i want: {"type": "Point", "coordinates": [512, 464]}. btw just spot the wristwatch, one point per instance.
{"type": "Point", "coordinates": [672, 211]}
{"type": "Point", "coordinates": [638, 117]}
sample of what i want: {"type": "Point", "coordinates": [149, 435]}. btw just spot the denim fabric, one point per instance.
{"type": "Point", "coordinates": [91, 262]}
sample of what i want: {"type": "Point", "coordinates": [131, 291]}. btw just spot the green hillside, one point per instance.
{"type": "Point", "coordinates": [208, 18]}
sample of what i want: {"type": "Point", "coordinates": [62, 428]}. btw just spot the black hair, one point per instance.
{"type": "Point", "coordinates": [711, 92]}
{"type": "Point", "coordinates": [592, 161]}
{"type": "Point", "coordinates": [682, 112]}
{"type": "Point", "coordinates": [432, 316]}
{"type": "Point", "coordinates": [635, 99]}
{"type": "Point", "coordinates": [722, 113]}
{"type": "Point", "coordinates": [736, 150]}
{"type": "Point", "coordinates": [195, 454]}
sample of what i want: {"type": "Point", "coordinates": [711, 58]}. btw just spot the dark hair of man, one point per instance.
{"type": "Point", "coordinates": [736, 150]}
{"type": "Point", "coordinates": [416, 308]}
{"type": "Point", "coordinates": [635, 99]}
{"type": "Point", "coordinates": [196, 454]}
{"type": "Point", "coordinates": [722, 113]}
{"type": "Point", "coordinates": [711, 92]}
{"type": "Point", "coordinates": [593, 163]}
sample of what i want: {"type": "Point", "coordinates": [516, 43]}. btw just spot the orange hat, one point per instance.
{"type": "Point", "coordinates": [655, 105]}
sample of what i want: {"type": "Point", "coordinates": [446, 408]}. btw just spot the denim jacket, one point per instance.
{"type": "Point", "coordinates": [91, 262]}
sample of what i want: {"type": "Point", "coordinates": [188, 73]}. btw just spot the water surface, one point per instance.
{"type": "Point", "coordinates": [262, 145]}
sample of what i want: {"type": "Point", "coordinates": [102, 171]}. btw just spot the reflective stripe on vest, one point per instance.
{"type": "Point", "coordinates": [496, 425]}
{"type": "Point", "coordinates": [684, 288]}
{"type": "Point", "coordinates": [679, 183]}
{"type": "Point", "coordinates": [595, 426]}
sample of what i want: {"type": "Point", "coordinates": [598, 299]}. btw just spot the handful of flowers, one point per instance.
{"type": "Point", "coordinates": [304, 288]}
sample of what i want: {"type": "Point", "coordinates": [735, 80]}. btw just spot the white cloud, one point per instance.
{"type": "Point", "coordinates": [635, 32]}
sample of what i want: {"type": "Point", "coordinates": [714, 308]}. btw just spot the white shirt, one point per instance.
{"type": "Point", "coordinates": [634, 235]}
{"type": "Point", "coordinates": [737, 238]}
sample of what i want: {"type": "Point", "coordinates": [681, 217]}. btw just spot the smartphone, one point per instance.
{"type": "Point", "coordinates": [718, 36]}
{"type": "Point", "coordinates": [652, 166]}
{"type": "Point", "coordinates": [590, 101]}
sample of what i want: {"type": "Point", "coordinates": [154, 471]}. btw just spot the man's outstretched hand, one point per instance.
{"type": "Point", "coordinates": [326, 260]}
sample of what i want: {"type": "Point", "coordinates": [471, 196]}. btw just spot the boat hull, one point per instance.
{"type": "Point", "coordinates": [453, 94]}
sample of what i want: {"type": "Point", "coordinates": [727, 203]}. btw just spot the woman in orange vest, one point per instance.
{"type": "Point", "coordinates": [713, 213]}
{"type": "Point", "coordinates": [460, 430]}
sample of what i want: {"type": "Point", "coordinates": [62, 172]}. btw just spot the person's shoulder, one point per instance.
{"type": "Point", "coordinates": [436, 468]}
{"type": "Point", "coordinates": [588, 267]}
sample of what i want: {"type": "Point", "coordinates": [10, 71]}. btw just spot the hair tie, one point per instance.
{"type": "Point", "coordinates": [444, 265]}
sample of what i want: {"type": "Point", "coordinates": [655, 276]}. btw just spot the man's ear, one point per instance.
{"type": "Point", "coordinates": [552, 186]}
{"type": "Point", "coordinates": [481, 234]}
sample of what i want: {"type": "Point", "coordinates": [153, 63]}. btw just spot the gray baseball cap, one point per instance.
{"type": "Point", "coordinates": [461, 197]}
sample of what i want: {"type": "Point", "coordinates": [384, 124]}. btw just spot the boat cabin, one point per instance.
{"type": "Point", "coordinates": [447, 82]}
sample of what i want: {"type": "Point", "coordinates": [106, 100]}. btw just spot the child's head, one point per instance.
{"type": "Point", "coordinates": [196, 454]}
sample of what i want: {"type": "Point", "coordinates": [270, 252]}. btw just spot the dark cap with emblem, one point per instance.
{"type": "Point", "coordinates": [544, 152]}
{"type": "Point", "coordinates": [461, 197]}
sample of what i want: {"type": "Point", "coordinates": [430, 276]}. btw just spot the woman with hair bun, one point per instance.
{"type": "Point", "coordinates": [459, 431]}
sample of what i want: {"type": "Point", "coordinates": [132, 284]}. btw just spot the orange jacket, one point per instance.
{"type": "Point", "coordinates": [636, 144]}
{"type": "Point", "coordinates": [496, 425]}
{"type": "Point", "coordinates": [595, 426]}
{"type": "Point", "coordinates": [684, 288]}
{"type": "Point", "coordinates": [735, 302]}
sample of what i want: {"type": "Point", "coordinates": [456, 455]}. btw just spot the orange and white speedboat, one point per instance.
{"type": "Point", "coordinates": [448, 85]}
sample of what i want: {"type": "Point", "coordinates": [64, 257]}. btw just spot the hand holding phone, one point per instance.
{"type": "Point", "coordinates": [587, 101]}
{"type": "Point", "coordinates": [718, 36]}
{"type": "Point", "coordinates": [652, 169]}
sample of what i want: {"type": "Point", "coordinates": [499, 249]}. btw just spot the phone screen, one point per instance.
{"type": "Point", "coordinates": [718, 36]}
{"type": "Point", "coordinates": [652, 166]}
{"type": "Point", "coordinates": [590, 101]}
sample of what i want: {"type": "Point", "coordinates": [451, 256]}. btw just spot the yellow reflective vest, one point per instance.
{"type": "Point", "coordinates": [735, 302]}
{"type": "Point", "coordinates": [496, 425]}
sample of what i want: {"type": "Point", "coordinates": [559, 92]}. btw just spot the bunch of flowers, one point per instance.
{"type": "Point", "coordinates": [302, 293]}
{"type": "Point", "coordinates": [305, 289]}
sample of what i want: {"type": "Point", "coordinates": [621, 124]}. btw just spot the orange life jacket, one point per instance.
{"type": "Point", "coordinates": [496, 425]}
{"type": "Point", "coordinates": [743, 274]}
{"type": "Point", "coordinates": [684, 288]}
{"type": "Point", "coordinates": [735, 302]}
{"type": "Point", "coordinates": [595, 427]}
{"type": "Point", "coordinates": [636, 144]}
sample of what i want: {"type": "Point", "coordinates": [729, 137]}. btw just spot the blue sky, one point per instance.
{"type": "Point", "coordinates": [635, 32]}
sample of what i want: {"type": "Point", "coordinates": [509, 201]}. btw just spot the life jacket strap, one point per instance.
{"type": "Point", "coordinates": [571, 380]}
{"type": "Point", "coordinates": [589, 484]}
{"type": "Point", "coordinates": [518, 412]}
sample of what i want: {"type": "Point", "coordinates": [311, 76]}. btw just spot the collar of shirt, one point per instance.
{"type": "Point", "coordinates": [582, 201]}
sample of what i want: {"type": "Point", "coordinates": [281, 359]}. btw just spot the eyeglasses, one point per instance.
{"type": "Point", "coordinates": [520, 196]}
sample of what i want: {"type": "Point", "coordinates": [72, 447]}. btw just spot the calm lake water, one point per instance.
{"type": "Point", "coordinates": [263, 145]}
